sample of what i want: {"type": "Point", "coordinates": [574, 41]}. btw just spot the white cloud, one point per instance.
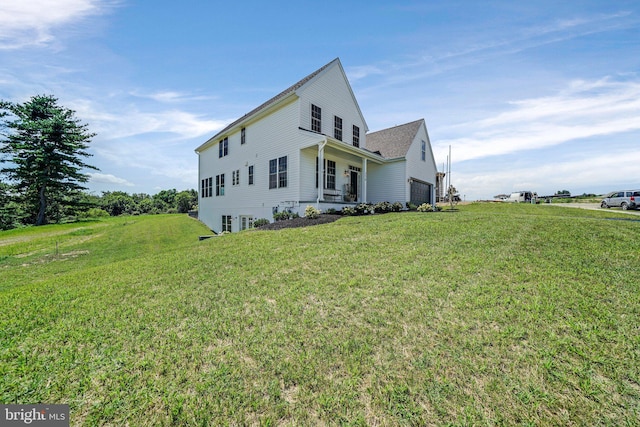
{"type": "Point", "coordinates": [108, 179]}
{"type": "Point", "coordinates": [363, 71]}
{"type": "Point", "coordinates": [581, 175]}
{"type": "Point", "coordinates": [130, 122]}
{"type": "Point", "coordinates": [583, 110]}
{"type": "Point", "coordinates": [33, 22]}
{"type": "Point", "coordinates": [170, 96]}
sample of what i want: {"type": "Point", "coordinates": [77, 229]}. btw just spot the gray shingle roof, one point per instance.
{"type": "Point", "coordinates": [393, 142]}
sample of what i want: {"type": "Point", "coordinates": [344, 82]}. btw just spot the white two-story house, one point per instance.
{"type": "Point", "coordinates": [309, 145]}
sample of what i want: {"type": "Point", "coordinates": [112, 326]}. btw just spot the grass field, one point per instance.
{"type": "Point", "coordinates": [498, 314]}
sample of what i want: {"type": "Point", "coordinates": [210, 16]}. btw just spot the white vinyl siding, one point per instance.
{"type": "Point", "coordinates": [332, 93]}
{"type": "Point", "coordinates": [274, 136]}
{"type": "Point", "coordinates": [387, 183]}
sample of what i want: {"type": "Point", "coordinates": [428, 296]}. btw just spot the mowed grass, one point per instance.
{"type": "Point", "coordinates": [493, 315]}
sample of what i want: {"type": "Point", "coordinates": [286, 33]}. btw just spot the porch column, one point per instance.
{"type": "Point", "coordinates": [365, 199]}
{"type": "Point", "coordinates": [321, 145]}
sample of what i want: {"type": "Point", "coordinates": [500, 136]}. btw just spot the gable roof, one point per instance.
{"type": "Point", "coordinates": [282, 95]}
{"type": "Point", "coordinates": [394, 142]}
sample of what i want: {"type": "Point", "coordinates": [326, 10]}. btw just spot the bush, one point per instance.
{"type": "Point", "coordinates": [348, 211]}
{"type": "Point", "coordinates": [281, 216]}
{"type": "Point", "coordinates": [311, 212]}
{"type": "Point", "coordinates": [364, 208]}
{"type": "Point", "coordinates": [331, 211]}
{"type": "Point", "coordinates": [95, 213]}
{"type": "Point", "coordinates": [411, 206]}
{"type": "Point", "coordinates": [382, 207]}
{"type": "Point", "coordinates": [396, 207]}
{"type": "Point", "coordinates": [260, 222]}
{"type": "Point", "coordinates": [425, 207]}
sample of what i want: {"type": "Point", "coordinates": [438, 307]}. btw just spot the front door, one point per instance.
{"type": "Point", "coordinates": [353, 185]}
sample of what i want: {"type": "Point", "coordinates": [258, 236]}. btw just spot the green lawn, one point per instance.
{"type": "Point", "coordinates": [499, 314]}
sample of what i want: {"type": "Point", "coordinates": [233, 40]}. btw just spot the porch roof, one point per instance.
{"type": "Point", "coordinates": [345, 147]}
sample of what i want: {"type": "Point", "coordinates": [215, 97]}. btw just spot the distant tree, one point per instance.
{"type": "Point", "coordinates": [186, 200]}
{"type": "Point", "coordinates": [563, 192]}
{"type": "Point", "coordinates": [10, 210]}
{"type": "Point", "coordinates": [44, 145]}
{"type": "Point", "coordinates": [117, 203]}
{"type": "Point", "coordinates": [145, 205]}
{"type": "Point", "coordinates": [165, 199]}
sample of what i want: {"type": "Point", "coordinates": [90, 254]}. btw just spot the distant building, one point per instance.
{"type": "Point", "coordinates": [440, 186]}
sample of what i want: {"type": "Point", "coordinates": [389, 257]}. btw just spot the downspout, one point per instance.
{"type": "Point", "coordinates": [321, 145]}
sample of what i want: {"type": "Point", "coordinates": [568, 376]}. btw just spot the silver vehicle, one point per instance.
{"type": "Point", "coordinates": [627, 199]}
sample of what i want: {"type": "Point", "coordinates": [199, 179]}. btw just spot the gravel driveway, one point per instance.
{"type": "Point", "coordinates": [596, 206]}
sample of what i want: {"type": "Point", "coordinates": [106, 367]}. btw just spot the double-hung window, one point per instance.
{"type": "Point", "coordinates": [226, 223]}
{"type": "Point", "coordinates": [250, 180]}
{"type": "Point", "coordinates": [337, 128]}
{"type": "Point", "coordinates": [423, 151]}
{"type": "Point", "coordinates": [278, 172]}
{"type": "Point", "coordinates": [331, 175]}
{"type": "Point", "coordinates": [328, 174]}
{"type": "Point", "coordinates": [223, 147]}
{"type": "Point", "coordinates": [282, 171]}
{"type": "Point", "coordinates": [356, 136]}
{"type": "Point", "coordinates": [316, 118]}
{"type": "Point", "coordinates": [235, 177]}
{"type": "Point", "coordinates": [243, 136]}
{"type": "Point", "coordinates": [220, 185]}
{"type": "Point", "coordinates": [206, 184]}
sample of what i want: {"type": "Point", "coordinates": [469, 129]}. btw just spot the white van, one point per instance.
{"type": "Point", "coordinates": [523, 197]}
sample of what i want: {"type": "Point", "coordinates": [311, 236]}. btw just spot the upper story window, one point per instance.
{"type": "Point", "coordinates": [423, 151]}
{"type": "Point", "coordinates": [250, 180]}
{"type": "Point", "coordinates": [316, 118]}
{"type": "Point", "coordinates": [223, 147]}
{"type": "Point", "coordinates": [243, 136]}
{"type": "Point", "coordinates": [337, 128]}
{"type": "Point", "coordinates": [356, 136]}
{"type": "Point", "coordinates": [278, 172]}
{"type": "Point", "coordinates": [220, 185]}
{"type": "Point", "coordinates": [235, 177]}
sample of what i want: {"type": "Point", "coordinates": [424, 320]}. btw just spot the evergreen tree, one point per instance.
{"type": "Point", "coordinates": [44, 144]}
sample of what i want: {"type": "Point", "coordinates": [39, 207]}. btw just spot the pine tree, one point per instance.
{"type": "Point", "coordinates": [43, 146]}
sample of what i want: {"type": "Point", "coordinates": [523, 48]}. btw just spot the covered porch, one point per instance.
{"type": "Point", "coordinates": [339, 174]}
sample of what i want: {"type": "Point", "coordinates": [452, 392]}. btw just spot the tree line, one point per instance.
{"type": "Point", "coordinates": [43, 148]}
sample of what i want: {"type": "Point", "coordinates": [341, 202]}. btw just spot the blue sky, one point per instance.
{"type": "Point", "coordinates": [539, 95]}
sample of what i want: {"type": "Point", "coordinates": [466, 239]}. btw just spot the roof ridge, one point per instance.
{"type": "Point", "coordinates": [396, 126]}
{"type": "Point", "coordinates": [279, 96]}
